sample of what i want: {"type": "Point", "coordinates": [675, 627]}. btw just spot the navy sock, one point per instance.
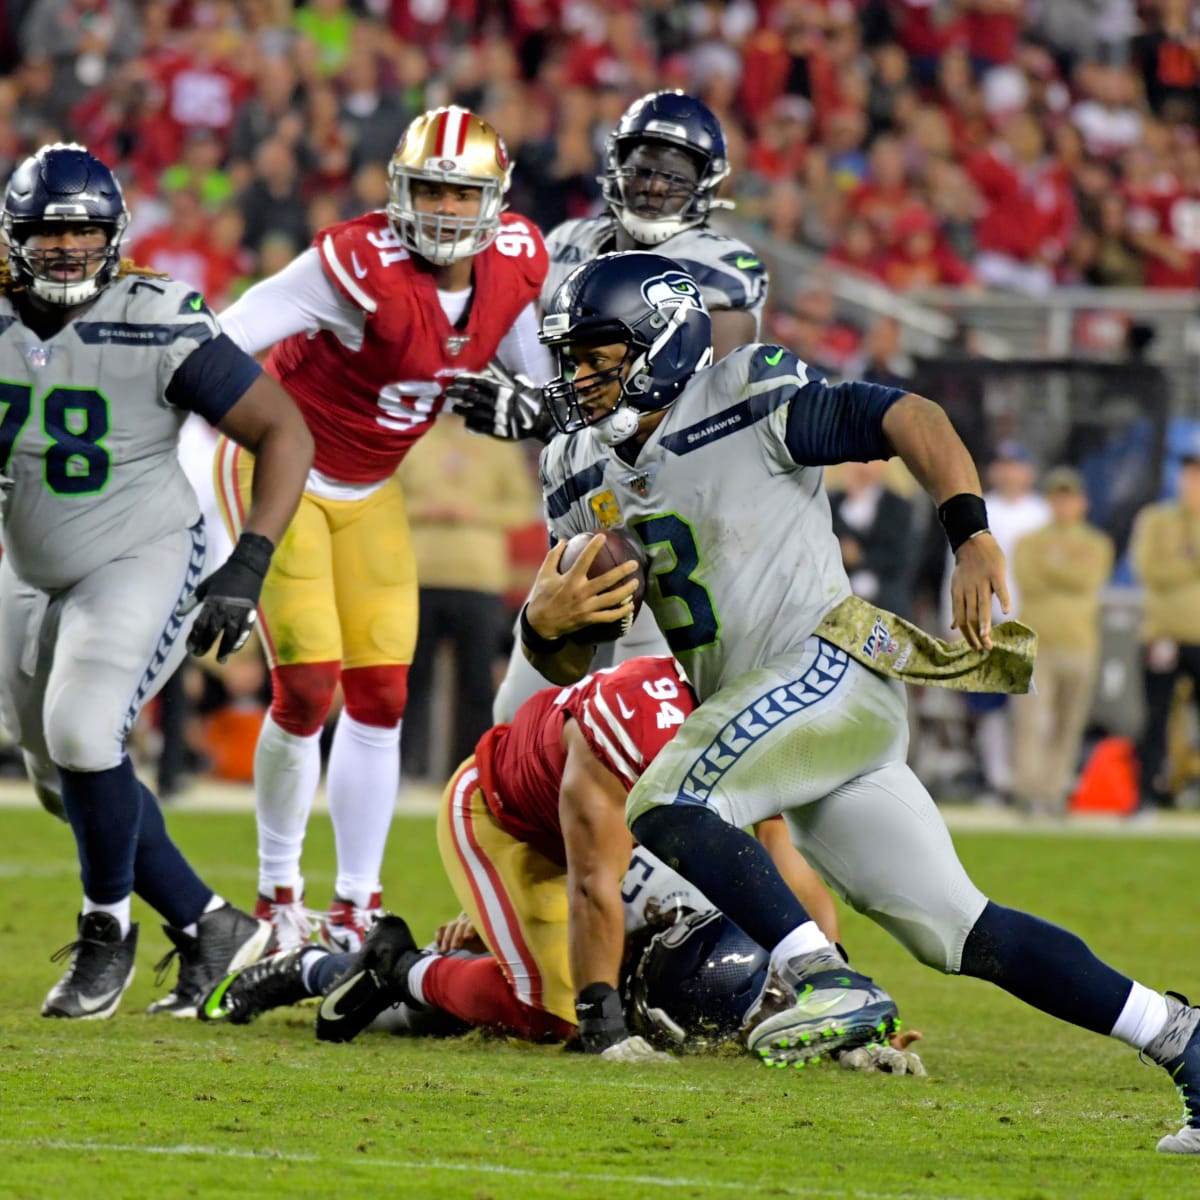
{"type": "Point", "coordinates": [328, 969]}
{"type": "Point", "coordinates": [104, 809]}
{"type": "Point", "coordinates": [729, 866]}
{"type": "Point", "coordinates": [1045, 966]}
{"type": "Point", "coordinates": [162, 876]}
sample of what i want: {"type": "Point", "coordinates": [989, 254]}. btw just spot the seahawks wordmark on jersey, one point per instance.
{"type": "Point", "coordinates": [88, 436]}
{"type": "Point", "coordinates": [744, 562]}
{"type": "Point", "coordinates": [730, 273]}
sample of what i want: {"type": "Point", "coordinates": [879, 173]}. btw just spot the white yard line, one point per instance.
{"type": "Point", "coordinates": [477, 1168]}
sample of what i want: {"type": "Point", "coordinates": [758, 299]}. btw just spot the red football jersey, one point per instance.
{"type": "Point", "coordinates": [626, 714]}
{"type": "Point", "coordinates": [366, 407]}
{"type": "Point", "coordinates": [1174, 215]}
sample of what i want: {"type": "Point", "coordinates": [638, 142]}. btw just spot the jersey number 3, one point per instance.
{"type": "Point", "coordinates": [75, 421]}
{"type": "Point", "coordinates": [676, 579]}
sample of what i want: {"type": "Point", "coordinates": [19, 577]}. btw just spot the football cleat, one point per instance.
{"type": "Point", "coordinates": [1177, 1050]}
{"type": "Point", "coordinates": [380, 981]}
{"type": "Point", "coordinates": [100, 971]}
{"type": "Point", "coordinates": [273, 982]}
{"type": "Point", "coordinates": [288, 917]}
{"type": "Point", "coordinates": [832, 1008]}
{"type": "Point", "coordinates": [225, 940]}
{"type": "Point", "coordinates": [344, 928]}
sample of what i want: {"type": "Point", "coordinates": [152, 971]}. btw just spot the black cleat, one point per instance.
{"type": "Point", "coordinates": [273, 982]}
{"type": "Point", "coordinates": [1177, 1050]}
{"type": "Point", "coordinates": [380, 981]}
{"type": "Point", "coordinates": [225, 940]}
{"type": "Point", "coordinates": [100, 971]}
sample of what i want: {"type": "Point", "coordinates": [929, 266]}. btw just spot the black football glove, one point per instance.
{"type": "Point", "coordinates": [500, 404]}
{"type": "Point", "coordinates": [230, 598]}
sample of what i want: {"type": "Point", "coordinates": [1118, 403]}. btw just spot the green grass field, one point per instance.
{"type": "Point", "coordinates": [1015, 1106]}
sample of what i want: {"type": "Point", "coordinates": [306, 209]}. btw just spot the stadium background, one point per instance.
{"type": "Point", "coordinates": [996, 200]}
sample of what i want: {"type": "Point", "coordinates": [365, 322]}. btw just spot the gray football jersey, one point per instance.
{"type": "Point", "coordinates": [730, 273]}
{"type": "Point", "coordinates": [744, 562]}
{"type": "Point", "coordinates": [88, 437]}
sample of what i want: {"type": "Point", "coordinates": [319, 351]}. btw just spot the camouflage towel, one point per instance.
{"type": "Point", "coordinates": [892, 646]}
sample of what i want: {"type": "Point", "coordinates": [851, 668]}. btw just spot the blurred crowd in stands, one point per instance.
{"type": "Point", "coordinates": [1020, 144]}
{"type": "Point", "coordinates": [1013, 144]}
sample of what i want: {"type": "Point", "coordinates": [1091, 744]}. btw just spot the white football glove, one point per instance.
{"type": "Point", "coordinates": [886, 1060]}
{"type": "Point", "coordinates": [636, 1049]}
{"type": "Point", "coordinates": [500, 404]}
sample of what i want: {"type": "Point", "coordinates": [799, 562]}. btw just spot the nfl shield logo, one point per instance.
{"type": "Point", "coordinates": [456, 342]}
{"type": "Point", "coordinates": [38, 356]}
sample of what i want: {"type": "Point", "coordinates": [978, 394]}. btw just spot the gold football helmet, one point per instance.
{"type": "Point", "coordinates": [448, 145]}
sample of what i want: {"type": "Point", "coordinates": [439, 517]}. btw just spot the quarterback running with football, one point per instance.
{"type": "Point", "coordinates": [664, 162]}
{"type": "Point", "coordinates": [105, 556]}
{"type": "Point", "coordinates": [718, 469]}
{"type": "Point", "coordinates": [368, 326]}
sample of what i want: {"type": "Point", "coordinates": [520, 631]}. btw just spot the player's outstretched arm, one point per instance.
{"type": "Point", "coordinates": [921, 433]}
{"type": "Point", "coordinates": [592, 812]}
{"type": "Point", "coordinates": [270, 426]}
{"type": "Point", "coordinates": [591, 809]}
{"type": "Point", "coordinates": [267, 423]}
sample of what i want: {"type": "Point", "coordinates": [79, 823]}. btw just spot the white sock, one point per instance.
{"type": "Point", "coordinates": [214, 902]}
{"type": "Point", "coordinates": [804, 939]}
{"type": "Point", "coordinates": [119, 909]}
{"type": "Point", "coordinates": [416, 975]}
{"type": "Point", "coordinates": [363, 779]}
{"type": "Point", "coordinates": [1143, 1017]}
{"type": "Point", "coordinates": [287, 769]}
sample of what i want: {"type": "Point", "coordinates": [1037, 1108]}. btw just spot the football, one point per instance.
{"type": "Point", "coordinates": [620, 546]}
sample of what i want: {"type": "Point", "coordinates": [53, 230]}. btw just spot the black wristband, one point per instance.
{"type": "Point", "coordinates": [601, 1017]}
{"type": "Point", "coordinates": [962, 517]}
{"type": "Point", "coordinates": [534, 640]}
{"type": "Point", "coordinates": [253, 551]}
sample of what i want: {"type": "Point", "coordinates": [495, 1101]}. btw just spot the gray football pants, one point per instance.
{"type": "Point", "coordinates": [823, 740]}
{"type": "Point", "coordinates": [77, 667]}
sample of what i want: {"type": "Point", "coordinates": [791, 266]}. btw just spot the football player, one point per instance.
{"type": "Point", "coordinates": [368, 325]}
{"type": "Point", "coordinates": [532, 835]}
{"type": "Point", "coordinates": [105, 557]}
{"type": "Point", "coordinates": [802, 708]}
{"type": "Point", "coordinates": [663, 165]}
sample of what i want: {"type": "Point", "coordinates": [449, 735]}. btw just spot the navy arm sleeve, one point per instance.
{"type": "Point", "coordinates": [212, 379]}
{"type": "Point", "coordinates": [839, 423]}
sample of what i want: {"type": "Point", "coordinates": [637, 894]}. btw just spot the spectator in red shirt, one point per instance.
{"type": "Point", "coordinates": [1164, 225]}
{"type": "Point", "coordinates": [1168, 56]}
{"type": "Point", "coordinates": [917, 257]}
{"type": "Point", "coordinates": [1029, 213]}
{"type": "Point", "coordinates": [885, 191]}
{"type": "Point", "coordinates": [781, 147]}
{"type": "Point", "coordinates": [183, 248]}
{"type": "Point", "coordinates": [993, 27]}
{"type": "Point", "coordinates": [857, 250]}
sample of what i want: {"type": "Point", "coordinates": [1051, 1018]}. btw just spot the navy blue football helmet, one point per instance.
{"type": "Point", "coordinates": [696, 981]}
{"type": "Point", "coordinates": [654, 308]}
{"type": "Point", "coordinates": [63, 184]}
{"type": "Point", "coordinates": [656, 197]}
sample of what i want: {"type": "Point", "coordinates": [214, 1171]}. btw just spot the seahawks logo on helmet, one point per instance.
{"type": "Point", "coordinates": [673, 289]}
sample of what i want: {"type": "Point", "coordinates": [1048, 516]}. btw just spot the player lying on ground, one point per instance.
{"type": "Point", "coordinates": [532, 835]}
{"type": "Point", "coordinates": [718, 470]}
{"type": "Point", "coordinates": [105, 553]}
